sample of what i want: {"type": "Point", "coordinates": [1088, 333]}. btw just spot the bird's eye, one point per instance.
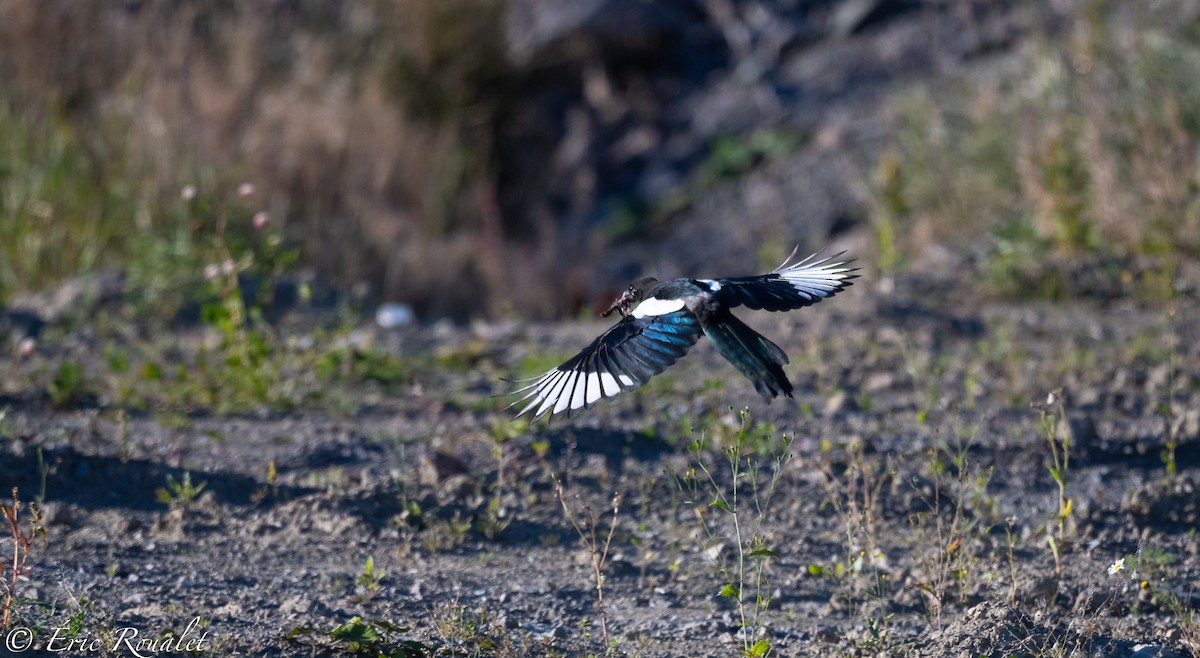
{"type": "Point", "coordinates": [632, 289]}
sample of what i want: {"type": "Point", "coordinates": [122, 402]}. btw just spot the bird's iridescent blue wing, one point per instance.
{"type": "Point", "coordinates": [621, 359]}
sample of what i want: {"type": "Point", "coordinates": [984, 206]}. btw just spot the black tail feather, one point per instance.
{"type": "Point", "coordinates": [760, 360]}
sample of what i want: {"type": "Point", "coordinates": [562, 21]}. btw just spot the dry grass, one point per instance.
{"type": "Point", "coordinates": [365, 127]}
{"type": "Point", "coordinates": [1082, 151]}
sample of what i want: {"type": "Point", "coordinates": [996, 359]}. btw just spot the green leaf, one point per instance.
{"type": "Point", "coordinates": [816, 570]}
{"type": "Point", "coordinates": [760, 648]}
{"type": "Point", "coordinates": [729, 590]}
{"type": "Point", "coordinates": [763, 552]}
{"type": "Point", "coordinates": [355, 631]}
{"type": "Point", "coordinates": [719, 503]}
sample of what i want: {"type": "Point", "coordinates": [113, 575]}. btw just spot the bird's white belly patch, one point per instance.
{"type": "Point", "coordinates": [714, 286]}
{"type": "Point", "coordinates": [655, 306]}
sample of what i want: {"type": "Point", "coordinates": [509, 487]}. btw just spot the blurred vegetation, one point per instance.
{"type": "Point", "coordinates": [365, 129]}
{"type": "Point", "coordinates": [241, 362]}
{"type": "Point", "coordinates": [60, 214]}
{"type": "Point", "coordinates": [1080, 160]}
{"type": "Point", "coordinates": [368, 133]}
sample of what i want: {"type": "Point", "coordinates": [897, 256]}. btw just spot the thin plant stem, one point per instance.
{"type": "Point", "coordinates": [598, 552]}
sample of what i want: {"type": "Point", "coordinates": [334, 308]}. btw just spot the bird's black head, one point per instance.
{"type": "Point", "coordinates": [639, 288]}
{"type": "Point", "coordinates": [632, 295]}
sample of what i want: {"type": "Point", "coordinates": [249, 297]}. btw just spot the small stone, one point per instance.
{"type": "Point", "coordinates": [1088, 601]}
{"type": "Point", "coordinates": [457, 487]}
{"type": "Point", "coordinates": [879, 381]}
{"type": "Point", "coordinates": [295, 605]}
{"type": "Point", "coordinates": [55, 513]}
{"type": "Point", "coordinates": [438, 466]}
{"type": "Point", "coordinates": [1088, 396]}
{"type": "Point", "coordinates": [837, 403]}
{"type": "Point", "coordinates": [231, 610]}
{"type": "Point", "coordinates": [544, 631]}
{"type": "Point", "coordinates": [391, 316]}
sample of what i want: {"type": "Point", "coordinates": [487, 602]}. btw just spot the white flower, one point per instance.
{"type": "Point", "coordinates": [261, 219]}
{"type": "Point", "coordinates": [211, 272]}
{"type": "Point", "coordinates": [1116, 566]}
{"type": "Point", "coordinates": [188, 192]}
{"type": "Point", "coordinates": [245, 190]}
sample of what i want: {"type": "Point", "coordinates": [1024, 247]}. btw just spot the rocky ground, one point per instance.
{"type": "Point", "coordinates": [903, 504]}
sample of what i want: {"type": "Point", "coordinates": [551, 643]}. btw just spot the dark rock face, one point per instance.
{"type": "Point", "coordinates": [656, 125]}
{"type": "Point", "coordinates": [595, 106]}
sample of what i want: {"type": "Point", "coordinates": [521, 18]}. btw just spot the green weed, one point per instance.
{"type": "Point", "coordinates": [362, 364]}
{"type": "Point", "coordinates": [733, 155]}
{"type": "Point", "coordinates": [369, 579]}
{"type": "Point", "coordinates": [742, 506]}
{"type": "Point", "coordinates": [946, 533]}
{"type": "Point", "coordinates": [443, 534]}
{"type": "Point", "coordinates": [68, 384]}
{"type": "Point", "coordinates": [1057, 432]}
{"type": "Point", "coordinates": [179, 494]}
{"type": "Point", "coordinates": [854, 490]}
{"type": "Point", "coordinates": [77, 622]}
{"type": "Point", "coordinates": [369, 637]}
{"type": "Point", "coordinates": [1167, 408]}
{"type": "Point", "coordinates": [471, 633]}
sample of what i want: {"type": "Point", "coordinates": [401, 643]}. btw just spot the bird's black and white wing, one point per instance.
{"type": "Point", "coordinates": [789, 286]}
{"type": "Point", "coordinates": [655, 335]}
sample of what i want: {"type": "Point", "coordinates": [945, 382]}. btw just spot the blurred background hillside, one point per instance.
{"type": "Point", "coordinates": [491, 158]}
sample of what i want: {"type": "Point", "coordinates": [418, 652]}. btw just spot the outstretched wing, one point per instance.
{"type": "Point", "coordinates": [621, 359]}
{"type": "Point", "coordinates": [788, 287]}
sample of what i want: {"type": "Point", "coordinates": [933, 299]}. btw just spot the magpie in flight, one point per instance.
{"type": "Point", "coordinates": [660, 320]}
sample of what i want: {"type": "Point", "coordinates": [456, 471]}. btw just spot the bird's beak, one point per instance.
{"type": "Point", "coordinates": [622, 304]}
